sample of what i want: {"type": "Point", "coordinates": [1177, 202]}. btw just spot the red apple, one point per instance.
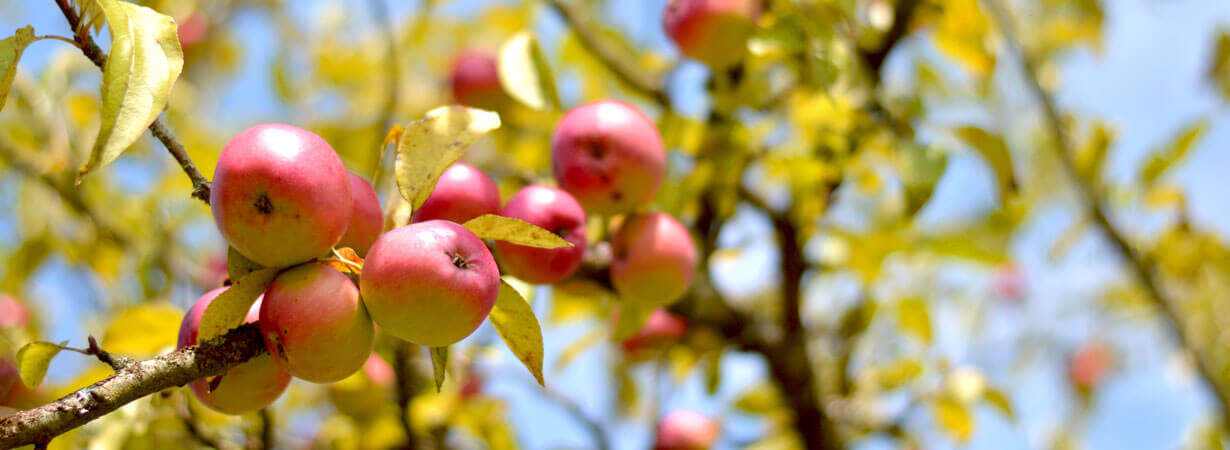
{"type": "Point", "coordinates": [249, 386]}
{"type": "Point", "coordinates": [654, 259]}
{"type": "Point", "coordinates": [366, 220]}
{"type": "Point", "coordinates": [315, 325]}
{"type": "Point", "coordinates": [13, 313]}
{"type": "Point", "coordinates": [192, 29]}
{"type": "Point", "coordinates": [608, 155]}
{"type": "Point", "coordinates": [714, 32]}
{"type": "Point", "coordinates": [686, 430]}
{"type": "Point", "coordinates": [661, 327]}
{"type": "Point", "coordinates": [475, 80]}
{"type": "Point", "coordinates": [281, 195]}
{"type": "Point", "coordinates": [431, 283]}
{"type": "Point", "coordinates": [463, 193]}
{"type": "Point", "coordinates": [556, 211]}
{"type": "Point", "coordinates": [1089, 365]}
{"type": "Point", "coordinates": [378, 371]}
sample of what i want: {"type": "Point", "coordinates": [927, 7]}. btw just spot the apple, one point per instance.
{"type": "Point", "coordinates": [280, 195]}
{"type": "Point", "coordinates": [684, 429]}
{"type": "Point", "coordinates": [556, 211]}
{"type": "Point", "coordinates": [1008, 283]}
{"type": "Point", "coordinates": [315, 325]}
{"type": "Point", "coordinates": [608, 155]}
{"type": "Point", "coordinates": [462, 193]}
{"type": "Point", "coordinates": [653, 259]}
{"type": "Point", "coordinates": [249, 386]}
{"type": "Point", "coordinates": [366, 219]}
{"type": "Point", "coordinates": [13, 313]}
{"type": "Point", "coordinates": [1089, 365]}
{"type": "Point", "coordinates": [431, 283]}
{"type": "Point", "coordinates": [475, 80]}
{"type": "Point", "coordinates": [714, 32]}
{"type": "Point", "coordinates": [661, 327]}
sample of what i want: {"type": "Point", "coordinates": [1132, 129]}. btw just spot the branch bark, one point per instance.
{"type": "Point", "coordinates": [582, 23]}
{"type": "Point", "coordinates": [132, 382]}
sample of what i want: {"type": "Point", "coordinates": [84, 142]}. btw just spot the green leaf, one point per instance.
{"type": "Point", "coordinates": [515, 231]}
{"type": "Point", "coordinates": [524, 73]}
{"type": "Point", "coordinates": [631, 319]}
{"type": "Point", "coordinates": [914, 318]}
{"type": "Point", "coordinates": [1173, 152]}
{"type": "Point", "coordinates": [228, 310]}
{"type": "Point", "coordinates": [33, 359]}
{"type": "Point", "coordinates": [429, 146]}
{"type": "Point", "coordinates": [238, 265]}
{"type": "Point", "coordinates": [10, 51]}
{"type": "Point", "coordinates": [439, 362]}
{"type": "Point", "coordinates": [1000, 401]}
{"type": "Point", "coordinates": [953, 418]}
{"type": "Point", "coordinates": [994, 150]}
{"type": "Point", "coordinates": [144, 63]}
{"type": "Point", "coordinates": [515, 322]}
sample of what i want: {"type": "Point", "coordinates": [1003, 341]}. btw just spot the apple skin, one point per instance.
{"type": "Point", "coordinates": [608, 155]}
{"type": "Point", "coordinates": [475, 80]}
{"type": "Point", "coordinates": [315, 325]}
{"type": "Point", "coordinates": [249, 386]}
{"type": "Point", "coordinates": [556, 211]}
{"type": "Point", "coordinates": [654, 259]}
{"type": "Point", "coordinates": [13, 313]}
{"type": "Point", "coordinates": [462, 193]}
{"type": "Point", "coordinates": [366, 218]}
{"type": "Point", "coordinates": [1088, 367]}
{"type": "Point", "coordinates": [280, 195]}
{"type": "Point", "coordinates": [714, 32]}
{"type": "Point", "coordinates": [431, 283]}
{"type": "Point", "coordinates": [661, 327]}
{"type": "Point", "coordinates": [685, 430]}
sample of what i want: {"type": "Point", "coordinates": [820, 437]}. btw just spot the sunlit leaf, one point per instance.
{"type": "Point", "coordinates": [1001, 402]}
{"type": "Point", "coordinates": [10, 52]}
{"type": "Point", "coordinates": [914, 318]}
{"type": "Point", "coordinates": [993, 150]}
{"type": "Point", "coordinates": [1173, 152]}
{"type": "Point", "coordinates": [33, 359]}
{"type": "Point", "coordinates": [963, 33]}
{"type": "Point", "coordinates": [1219, 67]}
{"type": "Point", "coordinates": [524, 73]}
{"type": "Point", "coordinates": [515, 322]}
{"type": "Point", "coordinates": [144, 62]}
{"type": "Point", "coordinates": [238, 266]}
{"type": "Point", "coordinates": [515, 231]}
{"type": "Point", "coordinates": [1091, 154]}
{"type": "Point", "coordinates": [439, 362]}
{"type": "Point", "coordinates": [429, 146]}
{"type": "Point", "coordinates": [228, 310]}
{"type": "Point", "coordinates": [143, 330]}
{"type": "Point", "coordinates": [955, 419]}
{"type": "Point", "coordinates": [569, 353]}
{"type": "Point", "coordinates": [574, 299]}
{"type": "Point", "coordinates": [761, 398]}
{"type": "Point", "coordinates": [895, 374]}
{"type": "Point", "coordinates": [631, 318]}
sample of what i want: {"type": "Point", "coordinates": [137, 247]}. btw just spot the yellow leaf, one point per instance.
{"type": "Point", "coordinates": [515, 322]}
{"type": "Point", "coordinates": [953, 418]}
{"type": "Point", "coordinates": [237, 265]}
{"type": "Point", "coordinates": [144, 63]}
{"type": "Point", "coordinates": [575, 298]}
{"type": "Point", "coordinates": [143, 330]}
{"type": "Point", "coordinates": [228, 310]}
{"type": "Point", "coordinates": [913, 317]}
{"type": "Point", "coordinates": [515, 231]}
{"type": "Point", "coordinates": [1173, 152]}
{"type": "Point", "coordinates": [524, 73]}
{"type": "Point", "coordinates": [33, 359]}
{"type": "Point", "coordinates": [429, 146]}
{"type": "Point", "coordinates": [577, 347]}
{"type": "Point", "coordinates": [1000, 401]}
{"type": "Point", "coordinates": [963, 33]}
{"type": "Point", "coordinates": [10, 51]}
{"type": "Point", "coordinates": [632, 317]}
{"type": "Point", "coordinates": [994, 150]}
{"type": "Point", "coordinates": [439, 362]}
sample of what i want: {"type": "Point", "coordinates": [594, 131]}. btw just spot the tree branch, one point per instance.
{"type": "Point", "coordinates": [63, 188]}
{"type": "Point", "coordinates": [132, 382]}
{"type": "Point", "coordinates": [903, 14]}
{"type": "Point", "coordinates": [406, 383]}
{"type": "Point", "coordinates": [200, 185]}
{"type": "Point", "coordinates": [582, 23]}
{"type": "Point", "coordinates": [1086, 193]}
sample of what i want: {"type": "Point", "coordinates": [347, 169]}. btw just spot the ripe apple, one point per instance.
{"type": "Point", "coordinates": [431, 283]}
{"type": "Point", "coordinates": [281, 195]}
{"type": "Point", "coordinates": [654, 259]}
{"type": "Point", "coordinates": [315, 325]}
{"type": "Point", "coordinates": [556, 211]}
{"type": "Point", "coordinates": [684, 429]}
{"type": "Point", "coordinates": [475, 80]}
{"type": "Point", "coordinates": [249, 386]}
{"type": "Point", "coordinates": [660, 328]}
{"type": "Point", "coordinates": [608, 155]}
{"type": "Point", "coordinates": [13, 313]}
{"type": "Point", "coordinates": [366, 220]}
{"type": "Point", "coordinates": [462, 193]}
{"type": "Point", "coordinates": [1089, 365]}
{"type": "Point", "coordinates": [714, 32]}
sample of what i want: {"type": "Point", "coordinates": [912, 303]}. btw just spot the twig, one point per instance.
{"type": "Point", "coordinates": [189, 421]}
{"type": "Point", "coordinates": [626, 70]}
{"type": "Point", "coordinates": [58, 38]}
{"type": "Point", "coordinates": [71, 197]}
{"type": "Point", "coordinates": [115, 361]}
{"type": "Point", "coordinates": [266, 428]}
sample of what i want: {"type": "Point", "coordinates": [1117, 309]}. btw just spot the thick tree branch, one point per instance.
{"type": "Point", "coordinates": [582, 23]}
{"type": "Point", "coordinates": [1088, 197]}
{"type": "Point", "coordinates": [132, 382]}
{"type": "Point", "coordinates": [200, 185]}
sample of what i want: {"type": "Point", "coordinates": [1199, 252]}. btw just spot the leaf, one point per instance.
{"type": "Point", "coordinates": [994, 150]}
{"type": "Point", "coordinates": [1000, 401]}
{"type": "Point", "coordinates": [238, 265]}
{"type": "Point", "coordinates": [524, 73]}
{"type": "Point", "coordinates": [1091, 155]}
{"type": "Point", "coordinates": [631, 319]}
{"type": "Point", "coordinates": [1219, 66]}
{"type": "Point", "coordinates": [575, 299]}
{"type": "Point", "coordinates": [515, 231]}
{"type": "Point", "coordinates": [429, 146]}
{"type": "Point", "coordinates": [33, 359]}
{"type": "Point", "coordinates": [577, 347]}
{"type": "Point", "coordinates": [10, 51]}
{"type": "Point", "coordinates": [759, 399]}
{"type": "Point", "coordinates": [1173, 152]}
{"type": "Point", "coordinates": [228, 310]}
{"type": "Point", "coordinates": [144, 63]}
{"type": "Point", "coordinates": [896, 374]}
{"type": "Point", "coordinates": [953, 418]}
{"type": "Point", "coordinates": [143, 330]}
{"type": "Point", "coordinates": [515, 322]}
{"type": "Point", "coordinates": [439, 361]}
{"type": "Point", "coordinates": [914, 318]}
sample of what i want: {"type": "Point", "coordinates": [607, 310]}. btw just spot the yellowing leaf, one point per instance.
{"type": "Point", "coordinates": [228, 310]}
{"type": "Point", "coordinates": [10, 51]}
{"type": "Point", "coordinates": [632, 317]}
{"type": "Point", "coordinates": [760, 399]}
{"type": "Point", "coordinates": [1173, 152]}
{"type": "Point", "coordinates": [994, 150]}
{"type": "Point", "coordinates": [963, 33]}
{"type": "Point", "coordinates": [515, 231]}
{"type": "Point", "coordinates": [576, 299]}
{"type": "Point", "coordinates": [953, 418]}
{"type": "Point", "coordinates": [439, 362]}
{"type": "Point", "coordinates": [33, 359]}
{"type": "Point", "coordinates": [143, 330]}
{"type": "Point", "coordinates": [1091, 155]}
{"type": "Point", "coordinates": [914, 319]}
{"type": "Point", "coordinates": [515, 322]}
{"type": "Point", "coordinates": [429, 146]}
{"type": "Point", "coordinates": [238, 265]}
{"type": "Point", "coordinates": [144, 63]}
{"type": "Point", "coordinates": [1000, 401]}
{"type": "Point", "coordinates": [524, 73]}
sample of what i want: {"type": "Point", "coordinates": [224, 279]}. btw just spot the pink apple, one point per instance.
{"type": "Point", "coordinates": [366, 220]}
{"type": "Point", "coordinates": [462, 193]}
{"type": "Point", "coordinates": [684, 429]}
{"type": "Point", "coordinates": [661, 327]}
{"type": "Point", "coordinates": [608, 155]}
{"type": "Point", "coordinates": [556, 211]}
{"type": "Point", "coordinates": [13, 313]}
{"type": "Point", "coordinates": [431, 283]}
{"type": "Point", "coordinates": [249, 386]}
{"type": "Point", "coordinates": [475, 80]}
{"type": "Point", "coordinates": [714, 32]}
{"type": "Point", "coordinates": [315, 325]}
{"type": "Point", "coordinates": [281, 195]}
{"type": "Point", "coordinates": [1089, 365]}
{"type": "Point", "coordinates": [654, 259]}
